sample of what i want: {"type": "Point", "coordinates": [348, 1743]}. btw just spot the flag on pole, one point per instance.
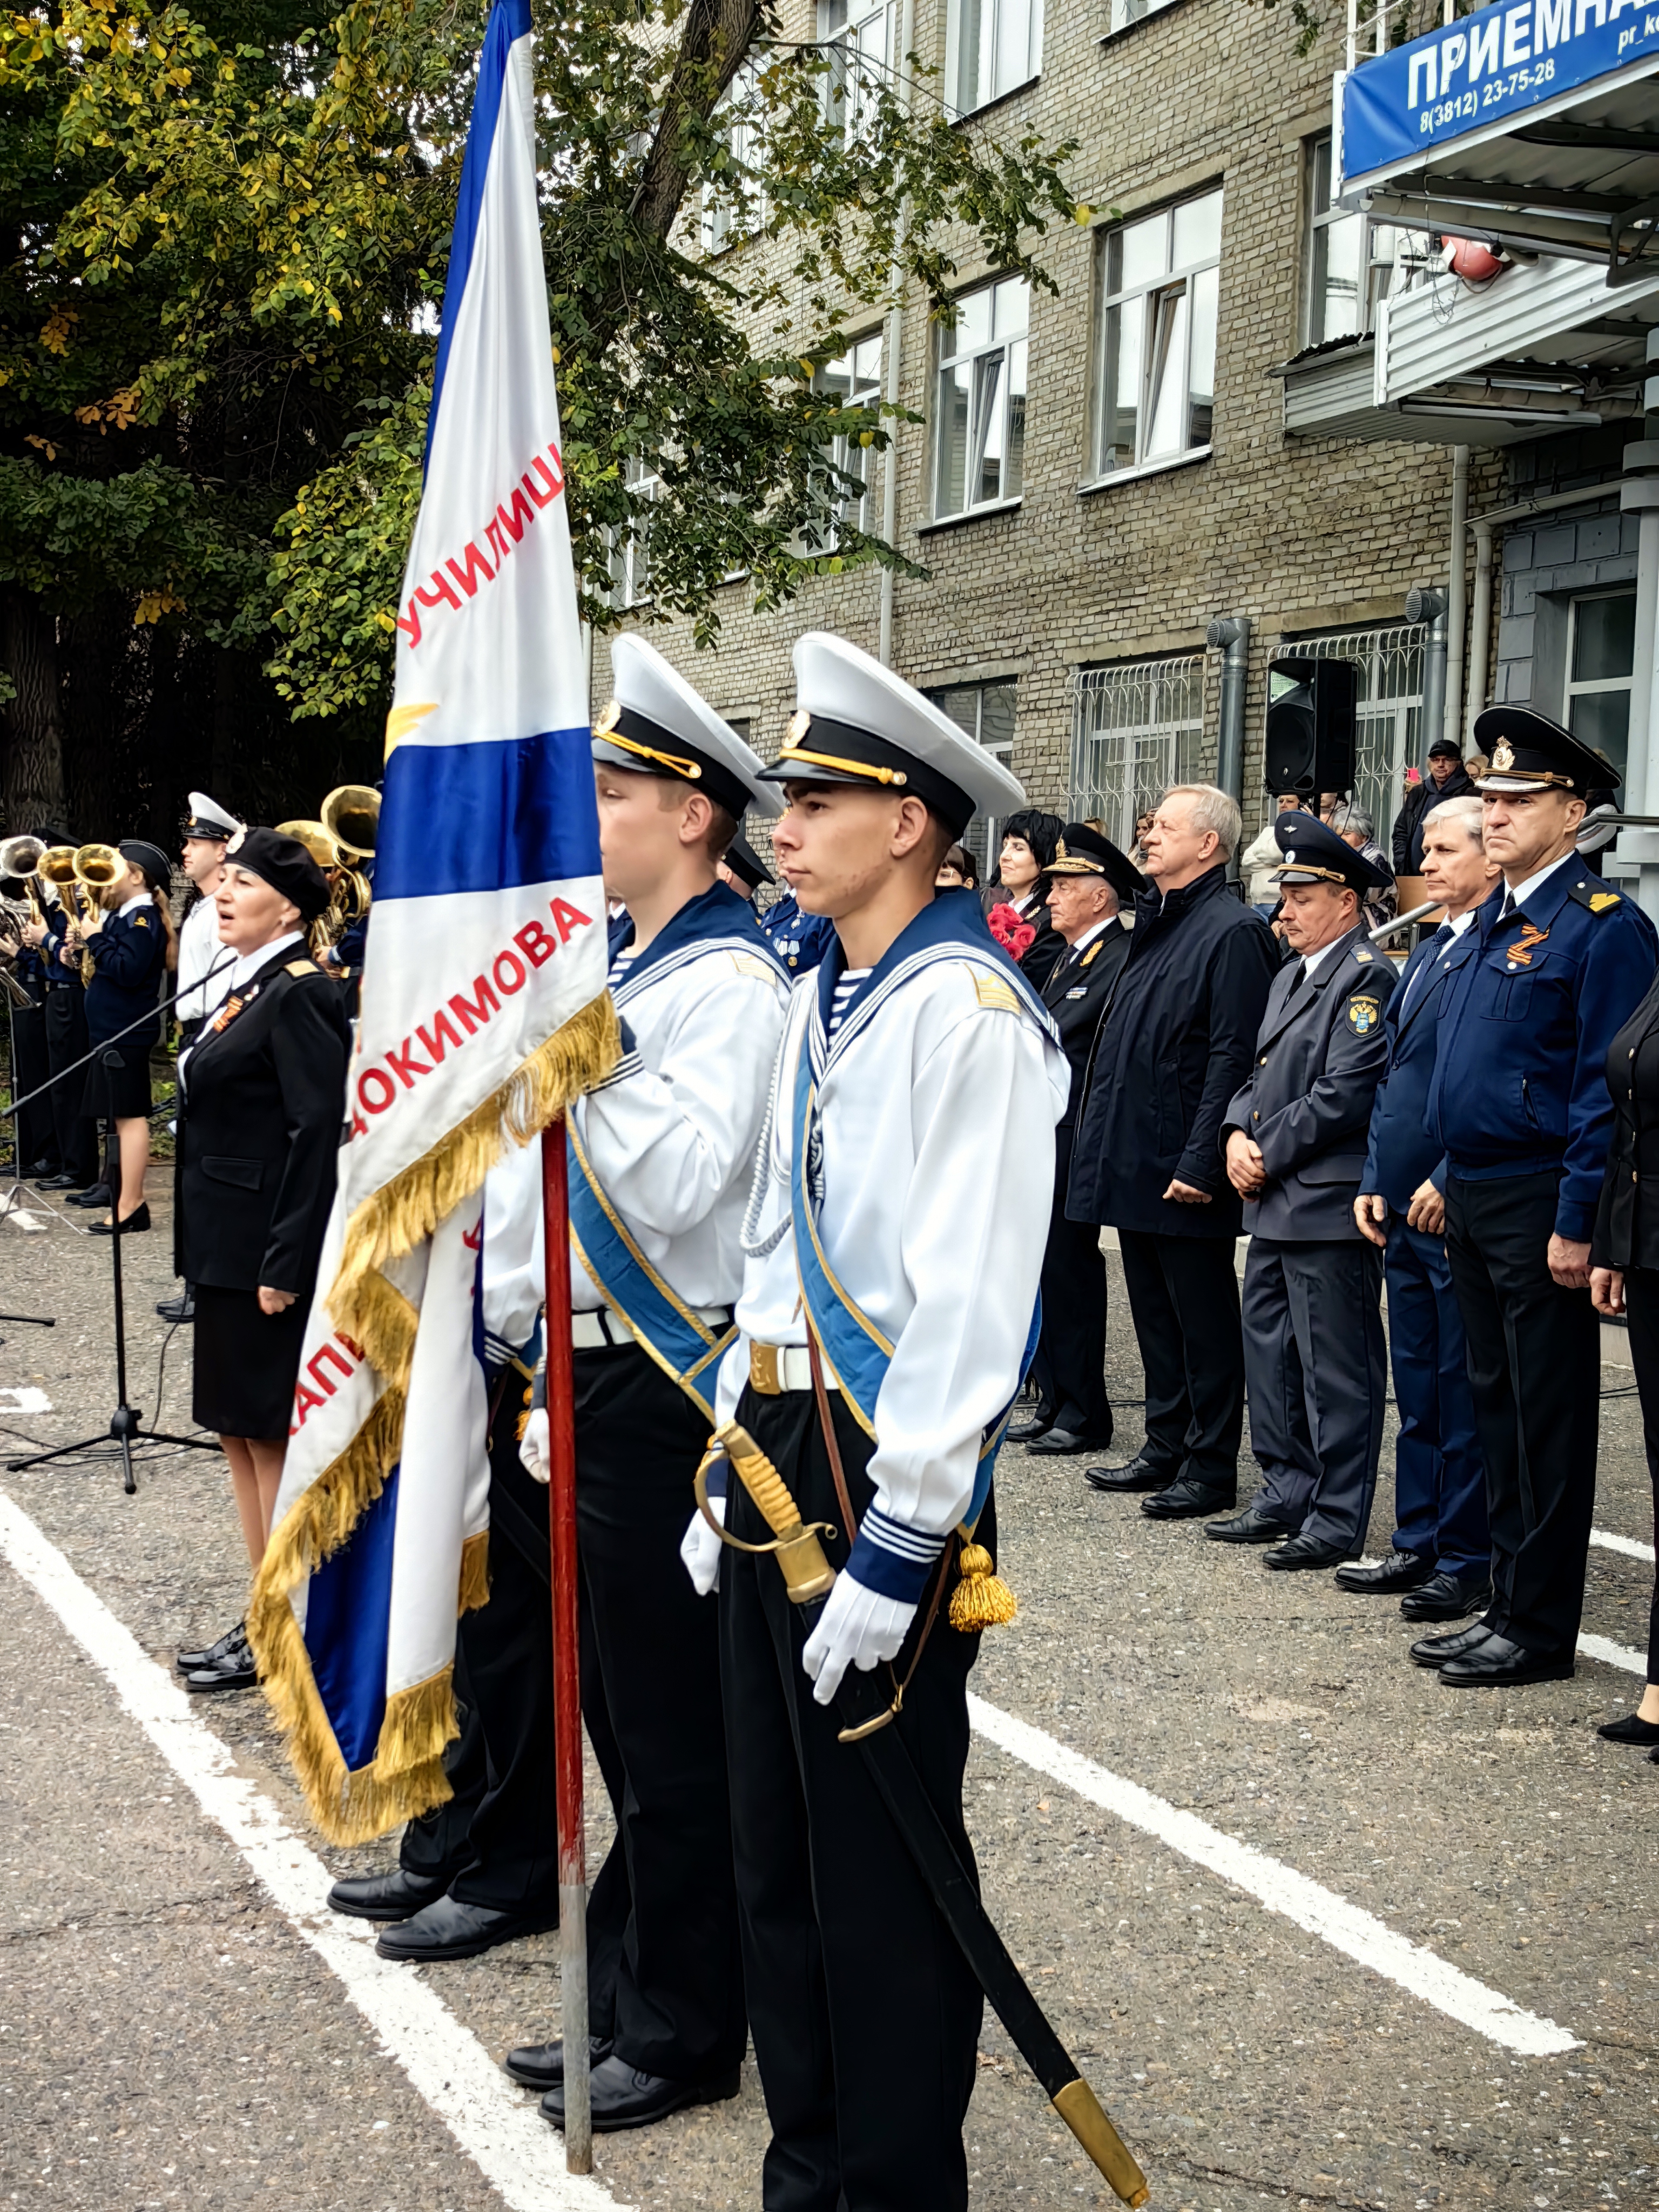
{"type": "Point", "coordinates": [483, 1013]}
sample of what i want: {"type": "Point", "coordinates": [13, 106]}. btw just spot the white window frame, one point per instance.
{"type": "Point", "coordinates": [1126, 13]}
{"type": "Point", "coordinates": [630, 555]}
{"type": "Point", "coordinates": [953, 354]}
{"type": "Point", "coordinates": [865, 39]}
{"type": "Point", "coordinates": [1591, 686]}
{"type": "Point", "coordinates": [718, 227]}
{"type": "Point", "coordinates": [1014, 60]}
{"type": "Point", "coordinates": [1137, 727]}
{"type": "Point", "coordinates": [863, 389]}
{"type": "Point", "coordinates": [983, 836]}
{"type": "Point", "coordinates": [1391, 260]}
{"type": "Point", "coordinates": [1137, 304]}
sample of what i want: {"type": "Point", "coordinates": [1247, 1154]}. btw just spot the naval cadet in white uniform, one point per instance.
{"type": "Point", "coordinates": [896, 1232]}
{"type": "Point", "coordinates": [660, 1154]}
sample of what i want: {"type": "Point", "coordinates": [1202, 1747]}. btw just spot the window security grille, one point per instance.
{"type": "Point", "coordinates": [1136, 728]}
{"type": "Point", "coordinates": [1388, 738]}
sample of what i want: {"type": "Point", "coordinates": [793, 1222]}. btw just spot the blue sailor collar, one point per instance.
{"type": "Point", "coordinates": [954, 924]}
{"type": "Point", "coordinates": [715, 917]}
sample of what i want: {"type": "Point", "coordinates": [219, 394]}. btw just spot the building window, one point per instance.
{"type": "Point", "coordinates": [1387, 734]}
{"type": "Point", "coordinates": [630, 557]}
{"type": "Point", "coordinates": [862, 36]}
{"type": "Point", "coordinates": [1137, 727]}
{"type": "Point", "coordinates": [854, 381]}
{"type": "Point", "coordinates": [992, 46]}
{"type": "Point", "coordinates": [1601, 658]}
{"type": "Point", "coordinates": [1351, 262]}
{"type": "Point", "coordinates": [1125, 12]}
{"type": "Point", "coordinates": [979, 412]}
{"type": "Point", "coordinates": [1159, 281]}
{"type": "Point", "coordinates": [732, 206]}
{"type": "Point", "coordinates": [986, 711]}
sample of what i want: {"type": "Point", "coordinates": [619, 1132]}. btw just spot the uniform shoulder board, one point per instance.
{"type": "Point", "coordinates": [301, 968]}
{"type": "Point", "coordinates": [1363, 953]}
{"type": "Point", "coordinates": [141, 922]}
{"type": "Point", "coordinates": [992, 991]}
{"type": "Point", "coordinates": [1592, 893]}
{"type": "Point", "coordinates": [751, 964]}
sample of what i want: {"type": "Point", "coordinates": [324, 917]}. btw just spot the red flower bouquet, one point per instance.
{"type": "Point", "coordinates": [1014, 934]}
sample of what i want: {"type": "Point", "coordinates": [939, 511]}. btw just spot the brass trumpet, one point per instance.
{"type": "Point", "coordinates": [316, 841]}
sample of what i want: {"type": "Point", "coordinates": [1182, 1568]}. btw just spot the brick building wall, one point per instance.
{"type": "Point", "coordinates": [1300, 535]}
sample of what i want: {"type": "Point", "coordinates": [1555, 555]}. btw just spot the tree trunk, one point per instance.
{"type": "Point", "coordinates": [95, 644]}
{"type": "Point", "coordinates": [32, 784]}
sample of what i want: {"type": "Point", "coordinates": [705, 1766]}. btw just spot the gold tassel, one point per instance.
{"type": "Point", "coordinates": [980, 1599]}
{"type": "Point", "coordinates": [475, 1572]}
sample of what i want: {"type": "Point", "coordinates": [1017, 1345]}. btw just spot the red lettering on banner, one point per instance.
{"type": "Point", "coordinates": [553, 478]}
{"type": "Point", "coordinates": [474, 1237]}
{"type": "Point", "coordinates": [387, 1090]}
{"type": "Point", "coordinates": [568, 918]}
{"type": "Point", "coordinates": [497, 544]}
{"type": "Point", "coordinates": [359, 1127]}
{"type": "Point", "coordinates": [405, 1065]}
{"type": "Point", "coordinates": [477, 1011]}
{"type": "Point", "coordinates": [468, 578]}
{"type": "Point", "coordinates": [534, 941]}
{"type": "Point", "coordinates": [443, 1034]}
{"type": "Point", "coordinates": [542, 484]}
{"type": "Point", "coordinates": [520, 973]}
{"type": "Point", "coordinates": [326, 1352]}
{"type": "Point", "coordinates": [304, 1399]}
{"type": "Point", "coordinates": [446, 592]}
{"type": "Point", "coordinates": [516, 519]}
{"type": "Point", "coordinates": [410, 625]}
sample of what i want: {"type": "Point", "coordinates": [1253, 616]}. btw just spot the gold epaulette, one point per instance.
{"type": "Point", "coordinates": [992, 991]}
{"type": "Point", "coordinates": [301, 968]}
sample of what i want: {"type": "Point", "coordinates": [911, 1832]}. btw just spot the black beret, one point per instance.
{"type": "Point", "coordinates": [285, 865]}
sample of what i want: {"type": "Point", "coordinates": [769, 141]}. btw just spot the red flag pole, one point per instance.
{"type": "Point", "coordinates": [566, 1670]}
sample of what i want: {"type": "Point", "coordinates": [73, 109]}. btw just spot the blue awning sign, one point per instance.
{"type": "Point", "coordinates": [1468, 76]}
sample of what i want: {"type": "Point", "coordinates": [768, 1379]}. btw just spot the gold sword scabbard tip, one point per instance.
{"type": "Point", "coordinates": [1079, 2106]}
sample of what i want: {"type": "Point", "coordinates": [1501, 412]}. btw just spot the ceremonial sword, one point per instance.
{"type": "Point", "coordinates": [809, 1578]}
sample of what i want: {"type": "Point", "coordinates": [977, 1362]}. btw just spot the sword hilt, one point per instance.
{"type": "Point", "coordinates": [808, 1576]}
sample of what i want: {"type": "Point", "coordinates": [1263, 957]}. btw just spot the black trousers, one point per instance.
{"type": "Point", "coordinates": [37, 1131]}
{"type": "Point", "coordinates": [1069, 1368]}
{"type": "Point", "coordinates": [1536, 1370]}
{"type": "Point", "coordinates": [650, 1695]}
{"type": "Point", "coordinates": [1183, 1296]}
{"type": "Point", "coordinates": [864, 2014]}
{"type": "Point", "coordinates": [66, 1042]}
{"type": "Point", "coordinates": [1642, 1306]}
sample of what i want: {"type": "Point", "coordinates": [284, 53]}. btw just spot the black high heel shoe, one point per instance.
{"type": "Point", "coordinates": [1631, 1727]}
{"type": "Point", "coordinates": [137, 1219]}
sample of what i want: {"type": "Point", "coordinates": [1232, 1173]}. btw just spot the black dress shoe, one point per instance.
{"type": "Point", "coordinates": [624, 2098]}
{"type": "Point", "coordinates": [450, 1928]}
{"type": "Point", "coordinates": [541, 2065]}
{"type": "Point", "coordinates": [1632, 1729]}
{"type": "Point", "coordinates": [1304, 1550]}
{"type": "Point", "coordinates": [177, 1309]}
{"type": "Point", "coordinates": [1252, 1526]}
{"type": "Point", "coordinates": [1448, 1597]}
{"type": "Point", "coordinates": [1186, 1501]}
{"type": "Point", "coordinates": [394, 1896]}
{"type": "Point", "coordinates": [1027, 1431]}
{"type": "Point", "coordinates": [1060, 1441]}
{"type": "Point", "coordinates": [1401, 1570]}
{"type": "Point", "coordinates": [94, 1193]}
{"type": "Point", "coordinates": [235, 1671]}
{"type": "Point", "coordinates": [1440, 1651]}
{"type": "Point", "coordinates": [191, 1662]}
{"type": "Point", "coordinates": [56, 1182]}
{"type": "Point", "coordinates": [1499, 1664]}
{"type": "Point", "coordinates": [130, 1224]}
{"type": "Point", "coordinates": [1137, 1473]}
{"type": "Point", "coordinates": [38, 1170]}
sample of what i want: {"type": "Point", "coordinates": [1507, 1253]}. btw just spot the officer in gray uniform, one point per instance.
{"type": "Point", "coordinates": [1294, 1137]}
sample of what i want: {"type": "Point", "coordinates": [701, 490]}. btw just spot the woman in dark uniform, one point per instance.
{"type": "Point", "coordinates": [1625, 1278]}
{"type": "Point", "coordinates": [262, 1100]}
{"type": "Point", "coordinates": [130, 937]}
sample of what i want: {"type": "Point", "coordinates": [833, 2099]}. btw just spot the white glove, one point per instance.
{"type": "Point", "coordinates": [859, 1628]}
{"type": "Point", "coordinates": [701, 1548]}
{"type": "Point", "coordinates": [534, 1449]}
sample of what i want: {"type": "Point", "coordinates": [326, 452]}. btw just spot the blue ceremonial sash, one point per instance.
{"type": "Point", "coordinates": [856, 1351]}
{"type": "Point", "coordinates": [683, 1346]}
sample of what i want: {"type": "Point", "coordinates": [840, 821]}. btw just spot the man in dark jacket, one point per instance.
{"type": "Point", "coordinates": [1177, 1043]}
{"type": "Point", "coordinates": [1314, 1350]}
{"type": "Point", "coordinates": [1445, 780]}
{"type": "Point", "coordinates": [1088, 878]}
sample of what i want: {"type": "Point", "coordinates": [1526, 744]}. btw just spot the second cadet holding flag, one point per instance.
{"type": "Point", "coordinates": [660, 1154]}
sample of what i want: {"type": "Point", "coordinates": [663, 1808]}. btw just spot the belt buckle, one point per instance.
{"type": "Point", "coordinates": [764, 1376]}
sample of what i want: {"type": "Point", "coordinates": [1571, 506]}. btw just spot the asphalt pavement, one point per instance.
{"type": "Point", "coordinates": [1319, 1930]}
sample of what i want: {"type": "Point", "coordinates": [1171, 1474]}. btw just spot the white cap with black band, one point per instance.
{"type": "Point", "coordinates": [656, 725]}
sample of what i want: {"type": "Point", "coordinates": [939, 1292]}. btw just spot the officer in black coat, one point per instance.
{"type": "Point", "coordinates": [1087, 879]}
{"type": "Point", "coordinates": [1175, 1045]}
{"type": "Point", "coordinates": [1295, 1137]}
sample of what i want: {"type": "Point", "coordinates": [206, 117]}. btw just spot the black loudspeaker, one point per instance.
{"type": "Point", "coordinates": [1311, 726]}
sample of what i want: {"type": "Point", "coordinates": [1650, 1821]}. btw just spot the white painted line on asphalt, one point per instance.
{"type": "Point", "coordinates": [1359, 1935]}
{"type": "Point", "coordinates": [1613, 1655]}
{"type": "Point", "coordinates": [26, 1399]}
{"type": "Point", "coordinates": [498, 2128]}
{"type": "Point", "coordinates": [1628, 1545]}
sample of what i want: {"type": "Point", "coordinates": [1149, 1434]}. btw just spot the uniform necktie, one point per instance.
{"type": "Point", "coordinates": [1442, 937]}
{"type": "Point", "coordinates": [1509, 906]}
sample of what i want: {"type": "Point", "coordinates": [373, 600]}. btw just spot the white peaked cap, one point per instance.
{"type": "Point", "coordinates": [654, 708]}
{"type": "Point", "coordinates": [211, 815]}
{"type": "Point", "coordinates": [856, 722]}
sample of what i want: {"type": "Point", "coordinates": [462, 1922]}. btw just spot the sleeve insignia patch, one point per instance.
{"type": "Point", "coordinates": [1364, 1015]}
{"type": "Point", "coordinates": [141, 922]}
{"type": "Point", "coordinates": [992, 991]}
{"type": "Point", "coordinates": [1091, 953]}
{"type": "Point", "coordinates": [746, 964]}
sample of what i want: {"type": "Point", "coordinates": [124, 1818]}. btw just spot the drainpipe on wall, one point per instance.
{"type": "Point", "coordinates": [1231, 637]}
{"type": "Point", "coordinates": [1640, 495]}
{"type": "Point", "coordinates": [1431, 607]}
{"type": "Point", "coordinates": [1480, 622]}
{"type": "Point", "coordinates": [895, 334]}
{"type": "Point", "coordinates": [1452, 725]}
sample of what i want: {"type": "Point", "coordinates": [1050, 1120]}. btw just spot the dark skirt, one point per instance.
{"type": "Point", "coordinates": [119, 1094]}
{"type": "Point", "coordinates": [245, 1363]}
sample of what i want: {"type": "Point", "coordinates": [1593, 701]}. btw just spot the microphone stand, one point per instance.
{"type": "Point", "coordinates": [125, 1425]}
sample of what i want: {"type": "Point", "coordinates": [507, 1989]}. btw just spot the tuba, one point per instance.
{"type": "Point", "coordinates": [316, 841]}
{"type": "Point", "coordinates": [21, 857]}
{"type": "Point", "coordinates": [93, 869]}
{"type": "Point", "coordinates": [351, 817]}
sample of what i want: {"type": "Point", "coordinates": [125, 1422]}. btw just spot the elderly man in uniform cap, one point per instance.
{"type": "Point", "coordinates": [1519, 1104]}
{"type": "Point", "coordinates": [910, 1157]}
{"type": "Point", "coordinates": [743, 869]}
{"type": "Point", "coordinates": [1087, 881]}
{"type": "Point", "coordinates": [1295, 1140]}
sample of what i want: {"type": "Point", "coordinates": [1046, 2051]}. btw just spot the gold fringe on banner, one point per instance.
{"type": "Point", "coordinates": [474, 1573]}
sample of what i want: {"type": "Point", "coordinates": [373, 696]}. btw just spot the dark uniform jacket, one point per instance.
{"type": "Point", "coordinates": [1520, 1082]}
{"type": "Point", "coordinates": [800, 940]}
{"type": "Point", "coordinates": [61, 968]}
{"type": "Point", "coordinates": [1077, 993]}
{"type": "Point", "coordinates": [1175, 1043]}
{"type": "Point", "coordinates": [1308, 1100]}
{"type": "Point", "coordinates": [129, 958]}
{"type": "Point", "coordinates": [1420, 801]}
{"type": "Point", "coordinates": [1401, 1155]}
{"type": "Point", "coordinates": [262, 1105]}
{"type": "Point", "coordinates": [1627, 1220]}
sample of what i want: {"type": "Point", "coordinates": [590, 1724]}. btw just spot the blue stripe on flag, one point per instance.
{"type": "Point", "coordinates": [347, 1610]}
{"type": "Point", "coordinates": [486, 817]}
{"type": "Point", "coordinates": [510, 20]}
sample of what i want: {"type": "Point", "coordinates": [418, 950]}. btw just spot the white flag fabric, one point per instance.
{"type": "Point", "coordinates": [483, 1013]}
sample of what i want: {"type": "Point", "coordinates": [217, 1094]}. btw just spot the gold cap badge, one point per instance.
{"type": "Point", "coordinates": [607, 718]}
{"type": "Point", "coordinates": [797, 727]}
{"type": "Point", "coordinates": [1502, 756]}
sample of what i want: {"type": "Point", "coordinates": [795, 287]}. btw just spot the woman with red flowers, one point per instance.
{"type": "Point", "coordinates": [1014, 900]}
